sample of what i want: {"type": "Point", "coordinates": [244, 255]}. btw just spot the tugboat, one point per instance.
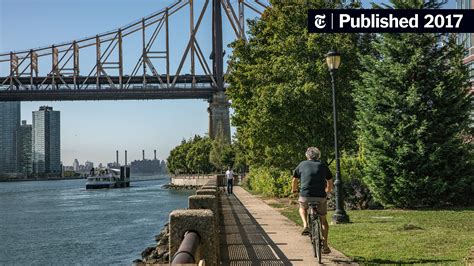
{"type": "Point", "coordinates": [109, 178]}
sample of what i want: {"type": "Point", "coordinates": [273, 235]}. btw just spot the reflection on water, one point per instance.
{"type": "Point", "coordinates": [60, 222]}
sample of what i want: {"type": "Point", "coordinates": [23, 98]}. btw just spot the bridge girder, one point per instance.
{"type": "Point", "coordinates": [50, 82]}
{"type": "Point", "coordinates": [109, 94]}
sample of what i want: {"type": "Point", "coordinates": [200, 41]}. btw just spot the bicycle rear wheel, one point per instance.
{"type": "Point", "coordinates": [316, 238]}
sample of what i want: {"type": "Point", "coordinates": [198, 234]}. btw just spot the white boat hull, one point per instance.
{"type": "Point", "coordinates": [110, 180]}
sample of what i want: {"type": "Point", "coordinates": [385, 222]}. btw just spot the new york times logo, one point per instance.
{"type": "Point", "coordinates": [319, 21]}
{"type": "Point", "coordinates": [390, 20]}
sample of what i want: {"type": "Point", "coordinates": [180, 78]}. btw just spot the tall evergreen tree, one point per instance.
{"type": "Point", "coordinates": [412, 109]}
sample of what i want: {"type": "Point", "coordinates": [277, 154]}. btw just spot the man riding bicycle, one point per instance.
{"type": "Point", "coordinates": [316, 182]}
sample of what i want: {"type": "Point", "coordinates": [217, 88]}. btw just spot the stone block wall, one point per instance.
{"type": "Point", "coordinates": [202, 217]}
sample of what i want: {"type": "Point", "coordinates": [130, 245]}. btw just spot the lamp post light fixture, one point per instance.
{"type": "Point", "coordinates": [333, 60]}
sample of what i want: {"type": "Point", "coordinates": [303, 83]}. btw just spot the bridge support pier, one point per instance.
{"type": "Point", "coordinates": [219, 121]}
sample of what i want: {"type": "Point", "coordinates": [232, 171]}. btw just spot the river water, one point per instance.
{"type": "Point", "coordinates": [60, 222]}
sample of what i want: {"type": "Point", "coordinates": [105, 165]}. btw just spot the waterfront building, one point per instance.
{"type": "Point", "coordinates": [75, 165]}
{"type": "Point", "coordinates": [46, 141]}
{"type": "Point", "coordinates": [88, 165]}
{"type": "Point", "coordinates": [148, 167]}
{"type": "Point", "coordinates": [113, 165]}
{"type": "Point", "coordinates": [68, 168]}
{"type": "Point", "coordinates": [25, 149]}
{"type": "Point", "coordinates": [9, 124]}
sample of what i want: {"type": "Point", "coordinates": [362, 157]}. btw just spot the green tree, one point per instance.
{"type": "Point", "coordinates": [240, 160]}
{"type": "Point", "coordinates": [412, 107]}
{"type": "Point", "coordinates": [198, 156]}
{"type": "Point", "coordinates": [191, 157]}
{"type": "Point", "coordinates": [177, 159]}
{"type": "Point", "coordinates": [280, 86]}
{"type": "Point", "coordinates": [222, 154]}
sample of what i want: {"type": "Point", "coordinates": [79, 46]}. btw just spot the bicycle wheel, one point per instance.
{"type": "Point", "coordinates": [316, 237]}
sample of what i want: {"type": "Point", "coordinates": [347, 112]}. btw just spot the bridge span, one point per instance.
{"type": "Point", "coordinates": [82, 88]}
{"type": "Point", "coordinates": [142, 93]}
{"type": "Point", "coordinates": [58, 72]}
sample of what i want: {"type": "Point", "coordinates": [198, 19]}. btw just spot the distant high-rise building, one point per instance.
{"type": "Point", "coordinates": [9, 124]}
{"type": "Point", "coordinates": [75, 165]}
{"type": "Point", "coordinates": [25, 148]}
{"type": "Point", "coordinates": [88, 165]}
{"type": "Point", "coordinates": [46, 141]}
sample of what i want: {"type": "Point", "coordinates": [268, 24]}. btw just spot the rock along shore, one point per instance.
{"type": "Point", "coordinates": [159, 253]}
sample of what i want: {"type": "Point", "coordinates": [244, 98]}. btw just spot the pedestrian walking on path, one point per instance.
{"type": "Point", "coordinates": [229, 174]}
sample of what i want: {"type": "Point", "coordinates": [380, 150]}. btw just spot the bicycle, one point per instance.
{"type": "Point", "coordinates": [315, 231]}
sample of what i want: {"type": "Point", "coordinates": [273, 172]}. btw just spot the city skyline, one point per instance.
{"type": "Point", "coordinates": [121, 160]}
{"type": "Point", "coordinates": [94, 130]}
{"type": "Point", "coordinates": [81, 141]}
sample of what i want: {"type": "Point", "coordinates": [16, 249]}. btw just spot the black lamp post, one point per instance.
{"type": "Point", "coordinates": [333, 59]}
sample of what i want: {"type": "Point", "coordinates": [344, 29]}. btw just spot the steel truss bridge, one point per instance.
{"type": "Point", "coordinates": [64, 78]}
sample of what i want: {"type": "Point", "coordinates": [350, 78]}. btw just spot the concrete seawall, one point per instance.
{"type": "Point", "coordinates": [197, 180]}
{"type": "Point", "coordinates": [192, 180]}
{"type": "Point", "coordinates": [201, 217]}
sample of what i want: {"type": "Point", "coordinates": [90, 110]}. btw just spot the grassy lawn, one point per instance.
{"type": "Point", "coordinates": [400, 236]}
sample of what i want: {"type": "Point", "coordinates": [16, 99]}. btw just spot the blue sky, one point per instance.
{"type": "Point", "coordinates": [93, 130]}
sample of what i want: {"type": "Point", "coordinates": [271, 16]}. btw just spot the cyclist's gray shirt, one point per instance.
{"type": "Point", "coordinates": [313, 176]}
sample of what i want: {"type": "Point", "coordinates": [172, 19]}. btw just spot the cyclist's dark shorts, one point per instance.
{"type": "Point", "coordinates": [321, 204]}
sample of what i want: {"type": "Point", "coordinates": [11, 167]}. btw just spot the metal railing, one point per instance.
{"type": "Point", "coordinates": [188, 250]}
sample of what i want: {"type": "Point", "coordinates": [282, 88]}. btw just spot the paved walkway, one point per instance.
{"type": "Point", "coordinates": [259, 235]}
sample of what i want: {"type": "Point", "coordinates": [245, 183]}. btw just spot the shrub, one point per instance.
{"type": "Point", "coordinates": [269, 181]}
{"type": "Point", "coordinates": [274, 182]}
{"type": "Point", "coordinates": [357, 195]}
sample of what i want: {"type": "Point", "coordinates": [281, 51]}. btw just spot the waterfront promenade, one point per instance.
{"type": "Point", "coordinates": [253, 233]}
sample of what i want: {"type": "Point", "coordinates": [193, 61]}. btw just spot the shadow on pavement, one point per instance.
{"type": "Point", "coordinates": [243, 241]}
